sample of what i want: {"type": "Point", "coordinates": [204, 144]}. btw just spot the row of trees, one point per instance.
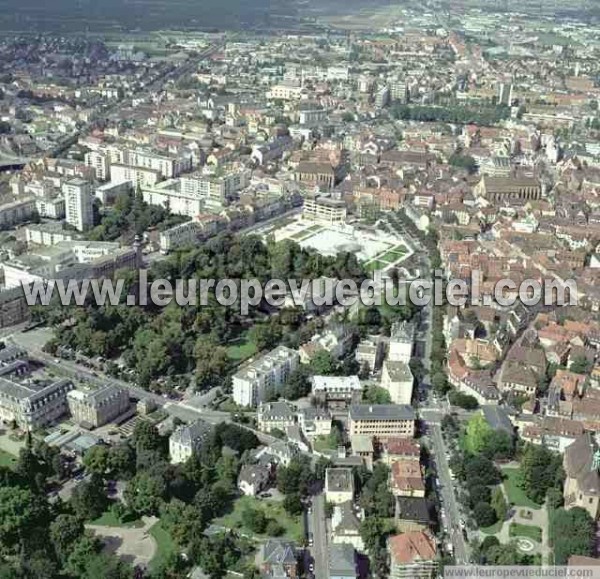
{"type": "Point", "coordinates": [483, 115]}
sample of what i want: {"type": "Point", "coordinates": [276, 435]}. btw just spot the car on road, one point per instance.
{"type": "Point", "coordinates": [311, 540]}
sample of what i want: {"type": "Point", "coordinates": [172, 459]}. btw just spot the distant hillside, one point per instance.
{"type": "Point", "coordinates": [103, 15]}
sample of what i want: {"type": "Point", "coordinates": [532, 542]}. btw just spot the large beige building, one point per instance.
{"type": "Point", "coordinates": [382, 420]}
{"type": "Point", "coordinates": [93, 408]}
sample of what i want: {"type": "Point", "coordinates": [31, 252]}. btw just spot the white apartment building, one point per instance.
{"type": "Point", "coordinates": [178, 236]}
{"type": "Point", "coordinates": [100, 162]}
{"type": "Point", "coordinates": [51, 206]}
{"type": "Point", "coordinates": [285, 91]}
{"type": "Point", "coordinates": [168, 165]}
{"type": "Point", "coordinates": [140, 176]}
{"type": "Point", "coordinates": [272, 370]}
{"type": "Point", "coordinates": [324, 210]}
{"type": "Point", "coordinates": [47, 233]}
{"type": "Point", "coordinates": [169, 194]}
{"type": "Point", "coordinates": [16, 211]}
{"type": "Point", "coordinates": [398, 380]}
{"type": "Point", "coordinates": [78, 202]}
{"type": "Point", "coordinates": [214, 189]}
{"type": "Point", "coordinates": [109, 192]}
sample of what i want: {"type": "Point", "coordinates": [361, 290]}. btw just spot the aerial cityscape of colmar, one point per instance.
{"type": "Point", "coordinates": [144, 143]}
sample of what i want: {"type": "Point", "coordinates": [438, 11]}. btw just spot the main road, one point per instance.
{"type": "Point", "coordinates": [431, 416]}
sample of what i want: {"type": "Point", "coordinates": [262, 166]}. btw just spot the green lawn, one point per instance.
{"type": "Point", "coordinates": [108, 519]}
{"type": "Point", "coordinates": [392, 256]}
{"type": "Point", "coordinates": [516, 495]}
{"type": "Point", "coordinates": [164, 542]}
{"type": "Point", "coordinates": [241, 349]}
{"type": "Point", "coordinates": [492, 529]}
{"type": "Point", "coordinates": [531, 531]}
{"type": "Point", "coordinates": [272, 510]}
{"type": "Point", "coordinates": [7, 459]}
{"type": "Point", "coordinates": [323, 443]}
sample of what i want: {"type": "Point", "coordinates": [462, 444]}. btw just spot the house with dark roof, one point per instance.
{"type": "Point", "coordinates": [413, 514]}
{"type": "Point", "coordinates": [278, 559]}
{"type": "Point", "coordinates": [188, 439]}
{"type": "Point", "coordinates": [253, 479]}
{"type": "Point", "coordinates": [582, 483]}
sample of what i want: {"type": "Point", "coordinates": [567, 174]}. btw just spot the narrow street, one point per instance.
{"type": "Point", "coordinates": [448, 496]}
{"type": "Point", "coordinates": [320, 548]}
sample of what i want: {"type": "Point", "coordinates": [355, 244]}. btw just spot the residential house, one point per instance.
{"type": "Point", "coordinates": [314, 421]}
{"type": "Point", "coordinates": [336, 391]}
{"type": "Point", "coordinates": [396, 448]}
{"type": "Point", "coordinates": [362, 445]}
{"type": "Point", "coordinates": [406, 479]}
{"type": "Point", "coordinates": [345, 525]}
{"type": "Point", "coordinates": [369, 353]}
{"type": "Point", "coordinates": [401, 342]}
{"type": "Point", "coordinates": [253, 479]}
{"type": "Point", "coordinates": [339, 485]}
{"type": "Point", "coordinates": [553, 432]}
{"type": "Point", "coordinates": [187, 440]}
{"type": "Point", "coordinates": [278, 559]}
{"type": "Point", "coordinates": [275, 415]}
{"type": "Point", "coordinates": [413, 514]}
